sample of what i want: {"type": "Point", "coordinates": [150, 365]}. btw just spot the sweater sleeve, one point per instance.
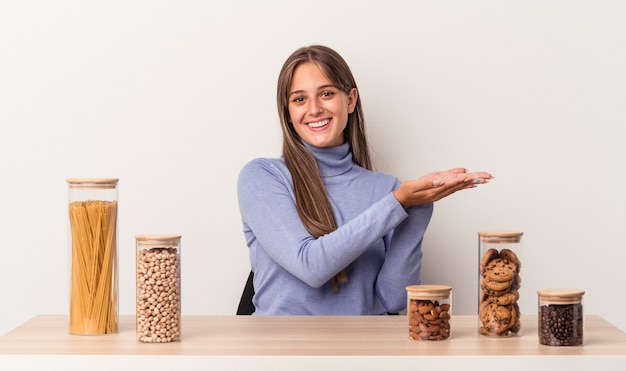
{"type": "Point", "coordinates": [269, 215]}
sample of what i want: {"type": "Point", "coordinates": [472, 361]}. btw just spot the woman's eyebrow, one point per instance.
{"type": "Point", "coordinates": [318, 88]}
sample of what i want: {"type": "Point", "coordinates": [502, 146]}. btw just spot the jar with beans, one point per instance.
{"type": "Point", "coordinates": [158, 313]}
{"type": "Point", "coordinates": [560, 317]}
{"type": "Point", "coordinates": [428, 311]}
{"type": "Point", "coordinates": [499, 282]}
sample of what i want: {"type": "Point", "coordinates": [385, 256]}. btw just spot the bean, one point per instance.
{"type": "Point", "coordinates": [158, 295]}
{"type": "Point", "coordinates": [561, 325]}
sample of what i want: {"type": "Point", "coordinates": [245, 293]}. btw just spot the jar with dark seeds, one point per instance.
{"type": "Point", "coordinates": [560, 317]}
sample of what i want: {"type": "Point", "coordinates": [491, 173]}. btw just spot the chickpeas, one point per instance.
{"type": "Point", "coordinates": [158, 295]}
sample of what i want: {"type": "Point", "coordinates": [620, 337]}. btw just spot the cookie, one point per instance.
{"type": "Point", "coordinates": [517, 326]}
{"type": "Point", "coordinates": [488, 256]}
{"type": "Point", "coordinates": [483, 305]}
{"type": "Point", "coordinates": [485, 331]}
{"type": "Point", "coordinates": [516, 309]}
{"type": "Point", "coordinates": [497, 319]}
{"type": "Point", "coordinates": [490, 292]}
{"type": "Point", "coordinates": [509, 255]}
{"type": "Point", "coordinates": [483, 314]}
{"type": "Point", "coordinates": [495, 286]}
{"type": "Point", "coordinates": [506, 299]}
{"type": "Point", "coordinates": [500, 270]}
{"type": "Point", "coordinates": [517, 281]}
{"type": "Point", "coordinates": [499, 293]}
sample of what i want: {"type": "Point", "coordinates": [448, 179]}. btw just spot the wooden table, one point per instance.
{"type": "Point", "coordinates": [304, 343]}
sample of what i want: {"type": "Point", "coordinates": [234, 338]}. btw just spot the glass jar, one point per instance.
{"type": "Point", "coordinates": [560, 317]}
{"type": "Point", "coordinates": [428, 311]}
{"type": "Point", "coordinates": [158, 314]}
{"type": "Point", "coordinates": [94, 266]}
{"type": "Point", "coordinates": [499, 283]}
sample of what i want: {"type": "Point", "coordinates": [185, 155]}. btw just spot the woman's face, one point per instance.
{"type": "Point", "coordinates": [317, 108]}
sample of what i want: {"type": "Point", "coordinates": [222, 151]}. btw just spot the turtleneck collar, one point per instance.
{"type": "Point", "coordinates": [332, 161]}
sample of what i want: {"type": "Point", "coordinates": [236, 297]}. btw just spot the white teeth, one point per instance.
{"type": "Point", "coordinates": [318, 124]}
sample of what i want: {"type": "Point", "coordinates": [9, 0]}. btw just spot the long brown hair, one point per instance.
{"type": "Point", "coordinates": [312, 200]}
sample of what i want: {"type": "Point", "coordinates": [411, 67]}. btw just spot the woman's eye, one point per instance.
{"type": "Point", "coordinates": [327, 94]}
{"type": "Point", "coordinates": [298, 100]}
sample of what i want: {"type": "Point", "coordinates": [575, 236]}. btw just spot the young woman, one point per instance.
{"type": "Point", "coordinates": [327, 235]}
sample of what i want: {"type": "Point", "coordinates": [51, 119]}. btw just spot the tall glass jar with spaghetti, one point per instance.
{"type": "Point", "coordinates": [499, 256]}
{"type": "Point", "coordinates": [158, 288]}
{"type": "Point", "coordinates": [94, 261]}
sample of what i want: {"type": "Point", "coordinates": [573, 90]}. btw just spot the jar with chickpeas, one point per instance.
{"type": "Point", "coordinates": [428, 311]}
{"type": "Point", "coordinates": [158, 313]}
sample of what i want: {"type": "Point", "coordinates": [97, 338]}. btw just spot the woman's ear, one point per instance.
{"type": "Point", "coordinates": [352, 98]}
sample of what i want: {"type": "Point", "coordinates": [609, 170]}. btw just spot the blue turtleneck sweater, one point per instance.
{"type": "Point", "coordinates": [377, 241]}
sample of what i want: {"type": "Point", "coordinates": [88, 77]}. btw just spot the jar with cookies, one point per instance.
{"type": "Point", "coordinates": [158, 313]}
{"type": "Point", "coordinates": [499, 283]}
{"type": "Point", "coordinates": [428, 311]}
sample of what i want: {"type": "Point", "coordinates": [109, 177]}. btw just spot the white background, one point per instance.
{"type": "Point", "coordinates": [173, 97]}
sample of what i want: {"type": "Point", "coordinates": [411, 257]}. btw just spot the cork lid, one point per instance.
{"type": "Point", "coordinates": [561, 296]}
{"type": "Point", "coordinates": [99, 183]}
{"type": "Point", "coordinates": [157, 240]}
{"type": "Point", "coordinates": [429, 291]}
{"type": "Point", "coordinates": [500, 236]}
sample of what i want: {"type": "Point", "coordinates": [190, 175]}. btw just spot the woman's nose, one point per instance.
{"type": "Point", "coordinates": [315, 107]}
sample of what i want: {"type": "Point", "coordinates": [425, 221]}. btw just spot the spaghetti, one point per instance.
{"type": "Point", "coordinates": [93, 293]}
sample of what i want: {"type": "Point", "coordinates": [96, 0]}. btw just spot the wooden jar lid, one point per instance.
{"type": "Point", "coordinates": [561, 296]}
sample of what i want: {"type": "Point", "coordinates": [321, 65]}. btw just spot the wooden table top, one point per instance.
{"type": "Point", "coordinates": [304, 336]}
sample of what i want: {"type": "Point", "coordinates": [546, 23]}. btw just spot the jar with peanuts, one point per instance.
{"type": "Point", "coordinates": [499, 256]}
{"type": "Point", "coordinates": [560, 317]}
{"type": "Point", "coordinates": [428, 311]}
{"type": "Point", "coordinates": [94, 266]}
{"type": "Point", "coordinates": [158, 314]}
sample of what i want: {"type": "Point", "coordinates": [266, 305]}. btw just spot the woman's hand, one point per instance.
{"type": "Point", "coordinates": [435, 186]}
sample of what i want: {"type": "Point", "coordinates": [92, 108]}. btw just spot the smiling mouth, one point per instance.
{"type": "Point", "coordinates": [318, 124]}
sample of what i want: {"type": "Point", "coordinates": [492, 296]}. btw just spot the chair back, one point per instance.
{"type": "Point", "coordinates": [246, 307]}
